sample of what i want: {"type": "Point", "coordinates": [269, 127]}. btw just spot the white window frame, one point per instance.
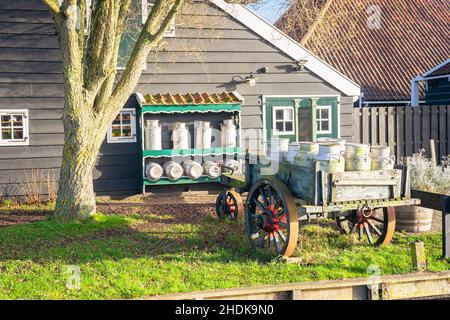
{"type": "Point", "coordinates": [25, 127]}
{"type": "Point", "coordinates": [274, 121]}
{"type": "Point", "coordinates": [330, 120]}
{"type": "Point", "coordinates": [133, 138]}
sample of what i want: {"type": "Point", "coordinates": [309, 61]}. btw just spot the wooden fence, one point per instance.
{"type": "Point", "coordinates": [405, 129]}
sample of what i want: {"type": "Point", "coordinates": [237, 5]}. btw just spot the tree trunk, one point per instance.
{"type": "Point", "coordinates": [76, 198]}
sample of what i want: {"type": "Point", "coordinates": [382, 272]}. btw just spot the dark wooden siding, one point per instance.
{"type": "Point", "coordinates": [438, 91]}
{"type": "Point", "coordinates": [211, 52]}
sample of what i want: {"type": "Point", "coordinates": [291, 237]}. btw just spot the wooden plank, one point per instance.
{"type": "Point", "coordinates": [417, 129]}
{"type": "Point", "coordinates": [357, 134]}
{"type": "Point", "coordinates": [374, 125]}
{"type": "Point", "coordinates": [434, 134]}
{"type": "Point", "coordinates": [409, 135]}
{"type": "Point", "coordinates": [448, 129]}
{"type": "Point", "coordinates": [382, 126]}
{"type": "Point", "coordinates": [403, 286]}
{"type": "Point", "coordinates": [400, 136]}
{"type": "Point", "coordinates": [366, 182]}
{"type": "Point", "coordinates": [442, 132]}
{"type": "Point", "coordinates": [428, 199]}
{"type": "Point", "coordinates": [365, 126]}
{"type": "Point", "coordinates": [426, 129]}
{"type": "Point", "coordinates": [391, 129]}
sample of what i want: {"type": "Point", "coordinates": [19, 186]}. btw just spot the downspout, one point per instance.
{"type": "Point", "coordinates": [415, 91]}
{"type": "Point", "coordinates": [296, 112]}
{"type": "Point", "coordinates": [313, 118]}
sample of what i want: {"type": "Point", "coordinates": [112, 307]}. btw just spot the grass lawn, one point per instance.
{"type": "Point", "coordinates": [132, 252]}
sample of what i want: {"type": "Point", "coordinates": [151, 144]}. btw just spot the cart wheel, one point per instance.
{"type": "Point", "coordinates": [377, 226]}
{"type": "Point", "coordinates": [271, 217]}
{"type": "Point", "coordinates": [229, 205]}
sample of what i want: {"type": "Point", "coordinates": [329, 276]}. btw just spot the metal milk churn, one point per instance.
{"type": "Point", "coordinates": [198, 134]}
{"type": "Point", "coordinates": [357, 157]}
{"type": "Point", "coordinates": [192, 169]}
{"type": "Point", "coordinates": [206, 135]}
{"type": "Point", "coordinates": [211, 169]}
{"type": "Point", "coordinates": [180, 136]}
{"type": "Point", "coordinates": [153, 171]}
{"type": "Point", "coordinates": [152, 135]}
{"type": "Point", "coordinates": [228, 134]}
{"type": "Point", "coordinates": [381, 158]}
{"type": "Point", "coordinates": [172, 170]}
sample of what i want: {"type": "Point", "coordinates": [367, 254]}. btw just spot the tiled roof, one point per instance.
{"type": "Point", "coordinates": [194, 98]}
{"type": "Point", "coordinates": [414, 36]}
{"type": "Point", "coordinates": [444, 70]}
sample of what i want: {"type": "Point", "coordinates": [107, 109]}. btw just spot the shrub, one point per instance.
{"type": "Point", "coordinates": [34, 187]}
{"type": "Point", "coordinates": [426, 176]}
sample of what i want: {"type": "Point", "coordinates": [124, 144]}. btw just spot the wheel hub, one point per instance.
{"type": "Point", "coordinates": [270, 220]}
{"type": "Point", "coordinates": [229, 206]}
{"type": "Point", "coordinates": [364, 214]}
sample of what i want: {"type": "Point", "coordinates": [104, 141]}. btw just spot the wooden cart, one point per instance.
{"type": "Point", "coordinates": [282, 194]}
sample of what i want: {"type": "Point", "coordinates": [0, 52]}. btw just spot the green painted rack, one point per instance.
{"type": "Point", "coordinates": [185, 108]}
{"type": "Point", "coordinates": [183, 180]}
{"type": "Point", "coordinates": [189, 152]}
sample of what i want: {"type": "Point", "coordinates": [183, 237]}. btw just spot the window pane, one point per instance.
{"type": "Point", "coordinates": [318, 124]}
{"type": "Point", "coordinates": [126, 118]}
{"type": "Point", "coordinates": [279, 115]}
{"type": "Point", "coordinates": [126, 131]}
{"type": "Point", "coordinates": [324, 113]}
{"type": "Point", "coordinates": [6, 121]}
{"type": "Point", "coordinates": [6, 134]}
{"type": "Point", "coordinates": [18, 134]}
{"type": "Point", "coordinates": [288, 114]}
{"type": "Point", "coordinates": [317, 113]}
{"type": "Point", "coordinates": [18, 120]}
{"type": "Point", "coordinates": [117, 120]}
{"type": "Point", "coordinates": [325, 125]}
{"type": "Point", "coordinates": [116, 131]}
{"type": "Point", "coordinates": [279, 126]}
{"type": "Point", "coordinates": [289, 126]}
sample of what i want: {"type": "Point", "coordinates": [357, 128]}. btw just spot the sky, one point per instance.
{"type": "Point", "coordinates": [268, 9]}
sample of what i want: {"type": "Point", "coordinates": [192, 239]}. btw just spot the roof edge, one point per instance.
{"type": "Point", "coordinates": [440, 65]}
{"type": "Point", "coordinates": [289, 46]}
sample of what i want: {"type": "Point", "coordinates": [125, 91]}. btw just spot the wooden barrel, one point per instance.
{"type": "Point", "coordinates": [413, 219]}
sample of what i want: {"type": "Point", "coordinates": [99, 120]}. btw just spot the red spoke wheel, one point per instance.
{"type": "Point", "coordinates": [377, 227]}
{"type": "Point", "coordinates": [229, 205]}
{"type": "Point", "coordinates": [271, 217]}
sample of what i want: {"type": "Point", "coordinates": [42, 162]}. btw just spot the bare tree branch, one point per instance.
{"type": "Point", "coordinates": [53, 6]}
{"type": "Point", "coordinates": [157, 23]}
{"type": "Point", "coordinates": [100, 48]}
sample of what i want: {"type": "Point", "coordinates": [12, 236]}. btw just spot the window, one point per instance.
{"type": "Point", "coordinates": [13, 127]}
{"type": "Point", "coordinates": [283, 120]}
{"type": "Point", "coordinates": [123, 128]}
{"type": "Point", "coordinates": [323, 119]}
